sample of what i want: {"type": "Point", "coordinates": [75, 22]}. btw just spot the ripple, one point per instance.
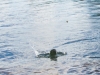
{"type": "Point", "coordinates": [8, 35]}
{"type": "Point", "coordinates": [92, 55]}
{"type": "Point", "coordinates": [6, 53]}
{"type": "Point", "coordinates": [1, 21]}
{"type": "Point", "coordinates": [5, 73]}
{"type": "Point", "coordinates": [96, 15]}
{"type": "Point", "coordinates": [72, 70]}
{"type": "Point", "coordinates": [8, 25]}
{"type": "Point", "coordinates": [75, 41]}
{"type": "Point", "coordinates": [5, 46]}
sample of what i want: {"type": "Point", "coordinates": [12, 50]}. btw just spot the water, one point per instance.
{"type": "Point", "coordinates": [71, 26]}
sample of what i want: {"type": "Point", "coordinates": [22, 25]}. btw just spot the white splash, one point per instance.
{"type": "Point", "coordinates": [35, 51]}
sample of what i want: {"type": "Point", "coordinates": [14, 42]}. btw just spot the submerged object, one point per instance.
{"type": "Point", "coordinates": [53, 54]}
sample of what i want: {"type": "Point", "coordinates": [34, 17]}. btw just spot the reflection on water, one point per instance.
{"type": "Point", "coordinates": [70, 26]}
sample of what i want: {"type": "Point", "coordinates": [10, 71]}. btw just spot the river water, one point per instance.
{"type": "Point", "coordinates": [71, 26]}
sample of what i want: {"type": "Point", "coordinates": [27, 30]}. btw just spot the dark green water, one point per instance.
{"type": "Point", "coordinates": [71, 26]}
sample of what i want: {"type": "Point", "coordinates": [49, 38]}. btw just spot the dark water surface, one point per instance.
{"type": "Point", "coordinates": [71, 26]}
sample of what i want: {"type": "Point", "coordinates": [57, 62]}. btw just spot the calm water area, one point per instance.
{"type": "Point", "coordinates": [71, 26]}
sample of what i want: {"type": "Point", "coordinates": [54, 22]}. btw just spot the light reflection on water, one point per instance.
{"type": "Point", "coordinates": [70, 26]}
